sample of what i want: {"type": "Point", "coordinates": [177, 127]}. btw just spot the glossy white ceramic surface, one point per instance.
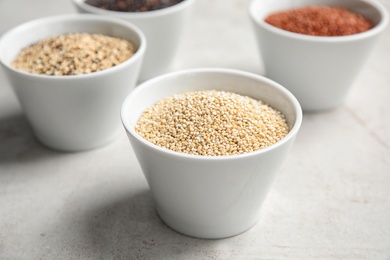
{"type": "Point", "coordinates": [209, 197]}
{"type": "Point", "coordinates": [72, 113]}
{"type": "Point", "coordinates": [163, 30]}
{"type": "Point", "coordinates": [319, 71]}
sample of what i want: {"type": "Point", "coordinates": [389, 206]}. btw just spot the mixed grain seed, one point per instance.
{"type": "Point", "coordinates": [73, 54]}
{"type": "Point", "coordinates": [212, 123]}
{"type": "Point", "coordinates": [320, 21]}
{"type": "Point", "coordinates": [132, 5]}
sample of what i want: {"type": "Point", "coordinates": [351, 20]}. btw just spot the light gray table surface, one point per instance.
{"type": "Point", "coordinates": [331, 199]}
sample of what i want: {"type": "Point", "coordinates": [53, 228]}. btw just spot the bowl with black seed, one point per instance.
{"type": "Point", "coordinates": [162, 21]}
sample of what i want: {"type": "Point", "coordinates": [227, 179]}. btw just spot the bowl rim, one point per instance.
{"type": "Point", "coordinates": [378, 28]}
{"type": "Point", "coordinates": [79, 18]}
{"type": "Point", "coordinates": [133, 15]}
{"type": "Point", "coordinates": [150, 84]}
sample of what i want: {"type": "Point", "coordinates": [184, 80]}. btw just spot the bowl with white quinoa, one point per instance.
{"type": "Point", "coordinates": [209, 142]}
{"type": "Point", "coordinates": [70, 74]}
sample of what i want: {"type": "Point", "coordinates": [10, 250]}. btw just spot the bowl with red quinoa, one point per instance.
{"type": "Point", "coordinates": [70, 74]}
{"type": "Point", "coordinates": [162, 21]}
{"type": "Point", "coordinates": [316, 48]}
{"type": "Point", "coordinates": [210, 142]}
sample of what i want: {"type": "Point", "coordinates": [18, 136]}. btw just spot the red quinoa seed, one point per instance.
{"type": "Point", "coordinates": [320, 21]}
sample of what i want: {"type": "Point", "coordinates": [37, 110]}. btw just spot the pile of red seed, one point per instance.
{"type": "Point", "coordinates": [320, 21]}
{"type": "Point", "coordinates": [132, 5]}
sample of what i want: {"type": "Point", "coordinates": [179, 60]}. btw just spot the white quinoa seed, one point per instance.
{"type": "Point", "coordinates": [73, 54]}
{"type": "Point", "coordinates": [212, 123]}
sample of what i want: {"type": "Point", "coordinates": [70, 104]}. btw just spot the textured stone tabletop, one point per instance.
{"type": "Point", "coordinates": [331, 199]}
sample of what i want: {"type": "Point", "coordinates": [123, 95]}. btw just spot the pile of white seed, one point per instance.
{"type": "Point", "coordinates": [212, 123]}
{"type": "Point", "coordinates": [73, 54]}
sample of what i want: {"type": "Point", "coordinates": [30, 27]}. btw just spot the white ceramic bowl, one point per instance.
{"type": "Point", "coordinates": [319, 71]}
{"type": "Point", "coordinates": [163, 30]}
{"type": "Point", "coordinates": [79, 112]}
{"type": "Point", "coordinates": [216, 196]}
